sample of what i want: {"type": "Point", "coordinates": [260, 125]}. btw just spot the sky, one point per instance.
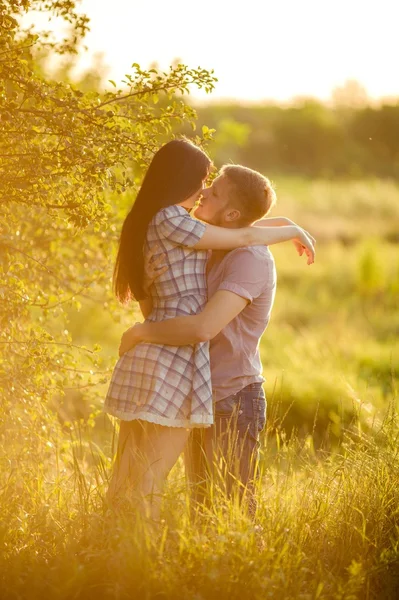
{"type": "Point", "coordinates": [259, 49]}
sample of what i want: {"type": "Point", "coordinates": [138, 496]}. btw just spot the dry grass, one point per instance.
{"type": "Point", "coordinates": [327, 527]}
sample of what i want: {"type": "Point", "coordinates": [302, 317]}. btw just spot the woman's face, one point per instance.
{"type": "Point", "coordinates": [191, 201]}
{"type": "Point", "coordinates": [214, 201]}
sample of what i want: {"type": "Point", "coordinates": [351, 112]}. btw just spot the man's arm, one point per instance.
{"type": "Point", "coordinates": [222, 308]}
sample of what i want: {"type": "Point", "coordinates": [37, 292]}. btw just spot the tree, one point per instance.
{"type": "Point", "coordinates": [64, 153]}
{"type": "Point", "coordinates": [350, 95]}
{"type": "Point", "coordinates": [307, 138]}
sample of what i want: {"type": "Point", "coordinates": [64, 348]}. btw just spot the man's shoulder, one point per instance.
{"type": "Point", "coordinates": [252, 264]}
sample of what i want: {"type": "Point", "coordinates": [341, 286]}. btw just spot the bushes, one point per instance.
{"type": "Point", "coordinates": [310, 139]}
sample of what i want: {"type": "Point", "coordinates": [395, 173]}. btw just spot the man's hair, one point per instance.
{"type": "Point", "coordinates": [250, 192]}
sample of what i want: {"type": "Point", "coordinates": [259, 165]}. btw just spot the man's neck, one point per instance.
{"type": "Point", "coordinates": [218, 255]}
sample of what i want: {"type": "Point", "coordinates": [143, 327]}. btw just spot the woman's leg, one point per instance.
{"type": "Point", "coordinates": [126, 465]}
{"type": "Point", "coordinates": [146, 453]}
{"type": "Point", "coordinates": [197, 465]}
{"type": "Point", "coordinates": [160, 448]}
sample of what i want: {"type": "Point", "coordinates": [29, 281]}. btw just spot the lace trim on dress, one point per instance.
{"type": "Point", "coordinates": [206, 421]}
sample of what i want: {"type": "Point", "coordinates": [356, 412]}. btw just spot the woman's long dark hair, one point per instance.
{"type": "Point", "coordinates": [176, 172]}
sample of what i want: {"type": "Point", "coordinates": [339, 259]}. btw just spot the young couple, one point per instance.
{"type": "Point", "coordinates": [192, 370]}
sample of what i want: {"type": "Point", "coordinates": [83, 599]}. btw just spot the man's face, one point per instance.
{"type": "Point", "coordinates": [214, 202]}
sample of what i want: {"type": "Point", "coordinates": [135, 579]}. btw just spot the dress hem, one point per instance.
{"type": "Point", "coordinates": [159, 420]}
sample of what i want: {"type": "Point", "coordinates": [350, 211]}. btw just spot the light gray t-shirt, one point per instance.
{"type": "Point", "coordinates": [234, 352]}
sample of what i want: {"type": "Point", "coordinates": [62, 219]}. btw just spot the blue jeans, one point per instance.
{"type": "Point", "coordinates": [229, 450]}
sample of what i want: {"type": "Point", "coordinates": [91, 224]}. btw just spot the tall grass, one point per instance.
{"type": "Point", "coordinates": [328, 514]}
{"type": "Point", "coordinates": [327, 527]}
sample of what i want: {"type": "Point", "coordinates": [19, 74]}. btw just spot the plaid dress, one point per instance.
{"type": "Point", "coordinates": [169, 385]}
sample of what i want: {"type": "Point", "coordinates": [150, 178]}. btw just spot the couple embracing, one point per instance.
{"type": "Point", "coordinates": [190, 377]}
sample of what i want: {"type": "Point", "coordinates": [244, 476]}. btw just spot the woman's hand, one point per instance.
{"type": "Point", "coordinates": [299, 246]}
{"type": "Point", "coordinates": [304, 242]}
{"type": "Point", "coordinates": [129, 339]}
{"type": "Point", "coordinates": [285, 222]}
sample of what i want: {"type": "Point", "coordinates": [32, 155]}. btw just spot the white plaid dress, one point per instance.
{"type": "Point", "coordinates": [169, 385]}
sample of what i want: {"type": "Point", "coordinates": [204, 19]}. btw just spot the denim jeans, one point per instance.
{"type": "Point", "coordinates": [229, 450]}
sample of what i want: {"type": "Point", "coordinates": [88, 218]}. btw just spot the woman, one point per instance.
{"type": "Point", "coordinates": [160, 392]}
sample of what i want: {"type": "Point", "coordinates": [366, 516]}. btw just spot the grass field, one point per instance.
{"type": "Point", "coordinates": [328, 518]}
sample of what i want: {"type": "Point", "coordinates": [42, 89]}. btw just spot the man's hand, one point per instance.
{"type": "Point", "coordinates": [153, 267]}
{"type": "Point", "coordinates": [129, 339]}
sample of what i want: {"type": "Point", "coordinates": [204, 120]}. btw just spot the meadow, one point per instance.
{"type": "Point", "coordinates": [328, 518]}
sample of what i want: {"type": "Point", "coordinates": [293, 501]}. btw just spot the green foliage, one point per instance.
{"type": "Point", "coordinates": [334, 209]}
{"type": "Point", "coordinates": [228, 139]}
{"type": "Point", "coordinates": [330, 349]}
{"type": "Point", "coordinates": [371, 272]}
{"type": "Point", "coordinates": [64, 154]}
{"type": "Point", "coordinates": [307, 138]}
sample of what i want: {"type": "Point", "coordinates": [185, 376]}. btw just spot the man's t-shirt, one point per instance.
{"type": "Point", "coordinates": [235, 358]}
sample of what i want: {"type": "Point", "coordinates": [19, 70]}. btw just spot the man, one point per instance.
{"type": "Point", "coordinates": [241, 290]}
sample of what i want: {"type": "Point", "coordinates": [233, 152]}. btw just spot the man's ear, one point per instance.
{"type": "Point", "coordinates": [233, 215]}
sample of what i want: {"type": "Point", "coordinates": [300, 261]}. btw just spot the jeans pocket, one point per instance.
{"type": "Point", "coordinates": [226, 407]}
{"type": "Point", "coordinates": [244, 413]}
{"type": "Point", "coordinates": [251, 413]}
